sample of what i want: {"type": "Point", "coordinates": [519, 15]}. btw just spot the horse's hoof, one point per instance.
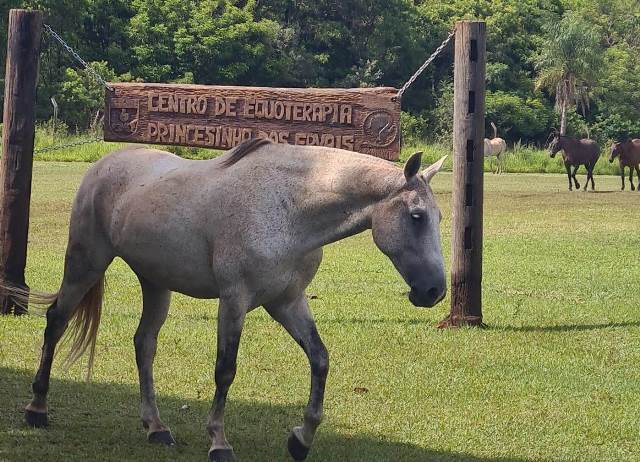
{"type": "Point", "coordinates": [222, 455]}
{"type": "Point", "coordinates": [36, 419]}
{"type": "Point", "coordinates": [297, 450]}
{"type": "Point", "coordinates": [163, 437]}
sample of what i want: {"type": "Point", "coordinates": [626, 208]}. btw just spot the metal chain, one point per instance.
{"type": "Point", "coordinates": [77, 57]}
{"type": "Point", "coordinates": [424, 65]}
{"type": "Point", "coordinates": [57, 147]}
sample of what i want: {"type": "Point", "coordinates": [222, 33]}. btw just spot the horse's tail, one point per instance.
{"type": "Point", "coordinates": [84, 323]}
{"type": "Point", "coordinates": [22, 297]}
{"type": "Point", "coordinates": [84, 320]}
{"type": "Point", "coordinates": [495, 130]}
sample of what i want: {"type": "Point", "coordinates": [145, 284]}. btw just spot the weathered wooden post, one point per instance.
{"type": "Point", "coordinates": [23, 50]}
{"type": "Point", "coordinates": [468, 170]}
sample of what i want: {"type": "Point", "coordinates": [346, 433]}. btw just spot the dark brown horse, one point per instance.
{"type": "Point", "coordinates": [629, 154]}
{"type": "Point", "coordinates": [576, 153]}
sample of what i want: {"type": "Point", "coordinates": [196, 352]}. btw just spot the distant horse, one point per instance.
{"type": "Point", "coordinates": [247, 228]}
{"type": "Point", "coordinates": [495, 147]}
{"type": "Point", "coordinates": [629, 154]}
{"type": "Point", "coordinates": [576, 153]}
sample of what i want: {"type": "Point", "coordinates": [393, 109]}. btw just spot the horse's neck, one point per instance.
{"type": "Point", "coordinates": [568, 147]}
{"type": "Point", "coordinates": [340, 197]}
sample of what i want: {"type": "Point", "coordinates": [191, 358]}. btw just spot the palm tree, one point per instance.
{"type": "Point", "coordinates": [569, 63]}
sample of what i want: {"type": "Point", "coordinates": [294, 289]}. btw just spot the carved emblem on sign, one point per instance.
{"type": "Point", "coordinates": [123, 116]}
{"type": "Point", "coordinates": [381, 127]}
{"type": "Point", "coordinates": [365, 120]}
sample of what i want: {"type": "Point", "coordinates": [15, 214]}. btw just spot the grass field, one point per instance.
{"type": "Point", "coordinates": [519, 159]}
{"type": "Point", "coordinates": [554, 377]}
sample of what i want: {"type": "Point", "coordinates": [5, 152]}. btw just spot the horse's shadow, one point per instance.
{"type": "Point", "coordinates": [98, 421]}
{"type": "Point", "coordinates": [567, 328]}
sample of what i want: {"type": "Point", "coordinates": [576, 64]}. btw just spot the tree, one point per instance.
{"type": "Point", "coordinates": [569, 63]}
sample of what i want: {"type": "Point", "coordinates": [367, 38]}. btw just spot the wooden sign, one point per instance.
{"type": "Point", "coordinates": [365, 120]}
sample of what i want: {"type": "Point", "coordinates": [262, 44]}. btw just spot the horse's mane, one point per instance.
{"type": "Point", "coordinates": [243, 149]}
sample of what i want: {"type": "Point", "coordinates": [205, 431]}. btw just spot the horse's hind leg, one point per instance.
{"type": "Point", "coordinates": [231, 314]}
{"type": "Point", "coordinates": [589, 169]}
{"type": "Point", "coordinates": [155, 307]}
{"type": "Point", "coordinates": [593, 183]}
{"type": "Point", "coordinates": [82, 276]}
{"type": "Point", "coordinates": [633, 188]}
{"type": "Point", "coordinates": [638, 175]}
{"type": "Point", "coordinates": [297, 319]}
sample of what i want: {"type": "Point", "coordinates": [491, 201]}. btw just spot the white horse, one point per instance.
{"type": "Point", "coordinates": [495, 147]}
{"type": "Point", "coordinates": [247, 228]}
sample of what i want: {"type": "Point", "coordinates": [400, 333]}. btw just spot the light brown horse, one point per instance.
{"type": "Point", "coordinates": [247, 228]}
{"type": "Point", "coordinates": [576, 153]}
{"type": "Point", "coordinates": [495, 147]}
{"type": "Point", "coordinates": [629, 154]}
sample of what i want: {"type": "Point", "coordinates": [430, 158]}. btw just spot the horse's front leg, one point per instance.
{"type": "Point", "coordinates": [231, 316]}
{"type": "Point", "coordinates": [622, 176]}
{"type": "Point", "coordinates": [638, 175]}
{"type": "Point", "coordinates": [155, 307]}
{"type": "Point", "coordinates": [633, 188]}
{"type": "Point", "coordinates": [573, 175]}
{"type": "Point", "coordinates": [296, 318]}
{"type": "Point", "coordinates": [568, 167]}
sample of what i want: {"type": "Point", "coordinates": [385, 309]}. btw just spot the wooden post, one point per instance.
{"type": "Point", "coordinates": [23, 50]}
{"type": "Point", "coordinates": [468, 170]}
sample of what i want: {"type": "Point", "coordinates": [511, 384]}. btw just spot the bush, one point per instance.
{"type": "Point", "coordinates": [517, 117]}
{"type": "Point", "coordinates": [414, 128]}
{"type": "Point", "coordinates": [615, 128]}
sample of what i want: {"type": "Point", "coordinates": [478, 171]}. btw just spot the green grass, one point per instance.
{"type": "Point", "coordinates": [519, 159]}
{"type": "Point", "coordinates": [553, 378]}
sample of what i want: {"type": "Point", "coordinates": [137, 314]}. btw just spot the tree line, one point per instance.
{"type": "Point", "coordinates": [551, 63]}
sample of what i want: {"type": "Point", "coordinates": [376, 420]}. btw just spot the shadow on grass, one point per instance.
{"type": "Point", "coordinates": [499, 328]}
{"type": "Point", "coordinates": [99, 421]}
{"type": "Point", "coordinates": [566, 328]}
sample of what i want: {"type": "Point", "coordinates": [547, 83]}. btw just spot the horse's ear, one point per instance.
{"type": "Point", "coordinates": [431, 170]}
{"type": "Point", "coordinates": [412, 166]}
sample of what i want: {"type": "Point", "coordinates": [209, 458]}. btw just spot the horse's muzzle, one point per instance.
{"type": "Point", "coordinates": [428, 298]}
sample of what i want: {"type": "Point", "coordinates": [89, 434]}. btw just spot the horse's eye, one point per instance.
{"type": "Point", "coordinates": [416, 216]}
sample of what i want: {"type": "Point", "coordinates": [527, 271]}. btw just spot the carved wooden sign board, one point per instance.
{"type": "Point", "coordinates": [365, 120]}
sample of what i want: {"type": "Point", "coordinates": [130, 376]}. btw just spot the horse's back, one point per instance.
{"type": "Point", "coordinates": [130, 164]}
{"type": "Point", "coordinates": [634, 151]}
{"type": "Point", "coordinates": [589, 150]}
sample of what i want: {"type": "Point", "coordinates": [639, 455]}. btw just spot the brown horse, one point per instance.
{"type": "Point", "coordinates": [629, 154]}
{"type": "Point", "coordinates": [576, 153]}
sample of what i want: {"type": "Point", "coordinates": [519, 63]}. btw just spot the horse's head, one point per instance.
{"type": "Point", "coordinates": [616, 150]}
{"type": "Point", "coordinates": [555, 145]}
{"type": "Point", "coordinates": [406, 228]}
